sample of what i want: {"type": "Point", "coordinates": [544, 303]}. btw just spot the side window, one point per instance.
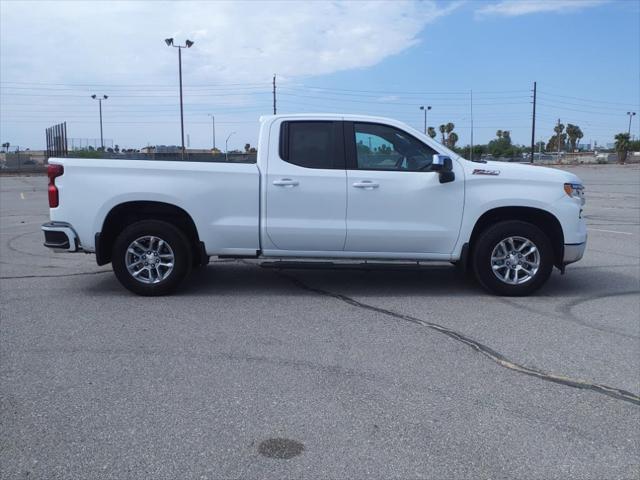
{"type": "Point", "coordinates": [310, 144]}
{"type": "Point", "coordinates": [381, 147]}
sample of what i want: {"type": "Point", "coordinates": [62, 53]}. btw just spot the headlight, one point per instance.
{"type": "Point", "coordinates": [575, 190]}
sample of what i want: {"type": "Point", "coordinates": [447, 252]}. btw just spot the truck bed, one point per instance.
{"type": "Point", "coordinates": [202, 189]}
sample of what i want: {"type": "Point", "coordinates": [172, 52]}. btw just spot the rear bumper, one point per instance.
{"type": "Point", "coordinates": [573, 252]}
{"type": "Point", "coordinates": [60, 236]}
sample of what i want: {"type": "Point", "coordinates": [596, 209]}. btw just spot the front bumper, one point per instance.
{"type": "Point", "coordinates": [573, 252]}
{"type": "Point", "coordinates": [60, 236]}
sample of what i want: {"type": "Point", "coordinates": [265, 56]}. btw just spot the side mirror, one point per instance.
{"type": "Point", "coordinates": [444, 166]}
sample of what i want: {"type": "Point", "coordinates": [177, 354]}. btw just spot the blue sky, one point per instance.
{"type": "Point", "coordinates": [382, 58]}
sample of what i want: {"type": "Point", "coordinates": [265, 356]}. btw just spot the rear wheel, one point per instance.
{"type": "Point", "coordinates": [151, 257]}
{"type": "Point", "coordinates": [512, 258]}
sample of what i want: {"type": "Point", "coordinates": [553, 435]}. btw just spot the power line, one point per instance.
{"type": "Point", "coordinates": [133, 96]}
{"type": "Point", "coordinates": [586, 99]}
{"type": "Point", "coordinates": [616, 109]}
{"type": "Point", "coordinates": [578, 110]}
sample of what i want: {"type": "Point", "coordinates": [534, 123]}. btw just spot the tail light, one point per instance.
{"type": "Point", "coordinates": [54, 171]}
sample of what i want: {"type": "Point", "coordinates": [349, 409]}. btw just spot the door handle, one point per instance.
{"type": "Point", "coordinates": [368, 184]}
{"type": "Point", "coordinates": [286, 182]}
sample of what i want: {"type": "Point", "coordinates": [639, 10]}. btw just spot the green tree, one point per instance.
{"type": "Point", "coordinates": [452, 138]}
{"type": "Point", "coordinates": [575, 134]}
{"type": "Point", "coordinates": [443, 129]}
{"type": "Point", "coordinates": [449, 127]}
{"type": "Point", "coordinates": [501, 145]}
{"type": "Point", "coordinates": [432, 132]}
{"type": "Point", "coordinates": [559, 140]}
{"type": "Point", "coordinates": [622, 146]}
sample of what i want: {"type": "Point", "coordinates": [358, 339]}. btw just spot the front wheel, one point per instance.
{"type": "Point", "coordinates": [512, 258]}
{"type": "Point", "coordinates": [151, 257]}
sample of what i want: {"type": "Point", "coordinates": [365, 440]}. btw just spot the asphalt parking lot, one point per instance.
{"type": "Point", "coordinates": [346, 373]}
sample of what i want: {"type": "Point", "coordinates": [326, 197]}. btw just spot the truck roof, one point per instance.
{"type": "Point", "coordinates": [311, 116]}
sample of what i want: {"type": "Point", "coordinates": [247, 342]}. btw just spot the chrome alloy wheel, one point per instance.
{"type": "Point", "coordinates": [149, 259]}
{"type": "Point", "coordinates": [515, 260]}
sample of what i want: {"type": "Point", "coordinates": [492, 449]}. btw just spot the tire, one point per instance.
{"type": "Point", "coordinates": [503, 273]}
{"type": "Point", "coordinates": [169, 263]}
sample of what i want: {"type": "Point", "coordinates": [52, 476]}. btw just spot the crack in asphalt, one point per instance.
{"type": "Point", "coordinates": [53, 276]}
{"type": "Point", "coordinates": [488, 352]}
{"type": "Point", "coordinates": [567, 315]}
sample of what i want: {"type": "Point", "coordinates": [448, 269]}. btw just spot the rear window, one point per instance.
{"type": "Point", "coordinates": [310, 144]}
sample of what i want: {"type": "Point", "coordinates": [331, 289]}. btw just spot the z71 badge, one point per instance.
{"type": "Point", "coordinates": [481, 171]}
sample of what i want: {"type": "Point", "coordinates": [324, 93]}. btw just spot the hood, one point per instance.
{"type": "Point", "coordinates": [518, 171]}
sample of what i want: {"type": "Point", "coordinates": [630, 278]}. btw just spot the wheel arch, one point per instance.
{"type": "Point", "coordinates": [543, 219]}
{"type": "Point", "coordinates": [126, 213]}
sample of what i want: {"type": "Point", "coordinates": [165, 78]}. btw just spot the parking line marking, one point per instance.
{"type": "Point", "coordinates": [610, 231]}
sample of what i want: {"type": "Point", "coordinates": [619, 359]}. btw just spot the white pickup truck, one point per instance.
{"type": "Point", "coordinates": [324, 186]}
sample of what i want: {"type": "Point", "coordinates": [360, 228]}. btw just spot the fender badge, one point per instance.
{"type": "Point", "coordinates": [481, 171]}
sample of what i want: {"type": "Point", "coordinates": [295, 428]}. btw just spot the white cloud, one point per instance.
{"type": "Point", "coordinates": [513, 8]}
{"type": "Point", "coordinates": [119, 45]}
{"type": "Point", "coordinates": [243, 41]}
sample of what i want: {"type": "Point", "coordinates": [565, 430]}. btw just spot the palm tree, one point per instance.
{"type": "Point", "coordinates": [452, 139]}
{"type": "Point", "coordinates": [443, 129]}
{"type": "Point", "coordinates": [450, 126]}
{"type": "Point", "coordinates": [432, 132]}
{"type": "Point", "coordinates": [499, 134]}
{"type": "Point", "coordinates": [558, 128]}
{"type": "Point", "coordinates": [622, 146]}
{"type": "Point", "coordinates": [574, 133]}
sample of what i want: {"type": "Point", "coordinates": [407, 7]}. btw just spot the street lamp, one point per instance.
{"type": "Point", "coordinates": [103, 97]}
{"type": "Point", "coordinates": [426, 109]}
{"type": "Point", "coordinates": [213, 129]}
{"type": "Point", "coordinates": [226, 147]}
{"type": "Point", "coordinates": [187, 44]}
{"type": "Point", "coordinates": [631, 114]}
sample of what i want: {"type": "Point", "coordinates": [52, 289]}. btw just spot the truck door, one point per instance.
{"type": "Point", "coordinates": [396, 204]}
{"type": "Point", "coordinates": [306, 198]}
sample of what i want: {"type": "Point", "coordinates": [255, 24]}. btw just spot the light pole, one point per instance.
{"type": "Point", "coordinates": [104, 97]}
{"type": "Point", "coordinates": [226, 147]}
{"type": "Point", "coordinates": [426, 109]}
{"type": "Point", "coordinates": [187, 44]}
{"type": "Point", "coordinates": [631, 114]}
{"type": "Point", "coordinates": [213, 129]}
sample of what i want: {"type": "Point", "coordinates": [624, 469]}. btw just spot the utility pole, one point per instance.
{"type": "Point", "coordinates": [631, 114]}
{"type": "Point", "coordinates": [533, 123]}
{"type": "Point", "coordinates": [104, 97]}
{"type": "Point", "coordinates": [213, 130]}
{"type": "Point", "coordinates": [471, 143]}
{"type": "Point", "coordinates": [558, 141]}
{"type": "Point", "coordinates": [188, 44]}
{"type": "Point", "coordinates": [274, 93]}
